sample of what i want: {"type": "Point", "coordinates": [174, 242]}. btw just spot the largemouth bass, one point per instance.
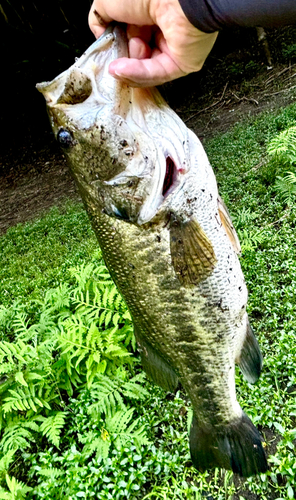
{"type": "Point", "coordinates": [168, 242]}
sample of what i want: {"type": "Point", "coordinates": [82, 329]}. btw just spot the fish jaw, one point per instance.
{"type": "Point", "coordinates": [88, 79]}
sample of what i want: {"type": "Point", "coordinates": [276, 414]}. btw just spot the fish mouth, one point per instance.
{"type": "Point", "coordinates": [167, 181]}
{"type": "Point", "coordinates": [88, 77]}
{"type": "Point", "coordinates": [170, 177]}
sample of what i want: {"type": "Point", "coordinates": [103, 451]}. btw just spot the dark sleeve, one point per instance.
{"type": "Point", "coordinates": [212, 15]}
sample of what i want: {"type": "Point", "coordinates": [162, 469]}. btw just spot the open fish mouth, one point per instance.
{"type": "Point", "coordinates": [170, 177]}
{"type": "Point", "coordinates": [172, 164]}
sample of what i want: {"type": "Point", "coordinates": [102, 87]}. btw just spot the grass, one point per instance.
{"type": "Point", "coordinates": [37, 256]}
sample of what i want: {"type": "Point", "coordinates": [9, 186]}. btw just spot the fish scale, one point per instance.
{"type": "Point", "coordinates": [168, 242]}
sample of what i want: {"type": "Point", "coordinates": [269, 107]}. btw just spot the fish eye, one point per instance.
{"type": "Point", "coordinates": [65, 138]}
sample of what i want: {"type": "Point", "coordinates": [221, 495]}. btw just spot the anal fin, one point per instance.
{"type": "Point", "coordinates": [250, 360]}
{"type": "Point", "coordinates": [156, 367]}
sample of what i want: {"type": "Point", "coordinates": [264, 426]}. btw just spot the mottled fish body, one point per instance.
{"type": "Point", "coordinates": [168, 242]}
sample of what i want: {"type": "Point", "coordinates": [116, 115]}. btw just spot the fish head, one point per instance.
{"type": "Point", "coordinates": [127, 150]}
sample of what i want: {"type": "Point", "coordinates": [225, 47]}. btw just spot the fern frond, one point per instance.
{"type": "Point", "coordinates": [94, 336]}
{"type": "Point", "coordinates": [20, 323]}
{"type": "Point", "coordinates": [52, 473]}
{"type": "Point", "coordinates": [107, 397]}
{"type": "Point", "coordinates": [11, 350]}
{"type": "Point", "coordinates": [52, 426]}
{"type": "Point", "coordinates": [251, 239]}
{"type": "Point", "coordinates": [286, 187]}
{"type": "Point", "coordinates": [16, 437]}
{"type": "Point", "coordinates": [57, 298]}
{"type": "Point", "coordinates": [23, 399]}
{"type": "Point", "coordinates": [117, 351]}
{"type": "Point", "coordinates": [118, 422]}
{"type": "Point", "coordinates": [7, 368]}
{"type": "Point", "coordinates": [6, 315]}
{"type": "Point", "coordinates": [6, 460]}
{"type": "Point", "coordinates": [98, 444]}
{"type": "Point", "coordinates": [122, 432]}
{"type": "Point", "coordinates": [133, 388]}
{"type": "Point", "coordinates": [82, 274]}
{"type": "Point", "coordinates": [17, 489]}
{"type": "Point", "coordinates": [283, 146]}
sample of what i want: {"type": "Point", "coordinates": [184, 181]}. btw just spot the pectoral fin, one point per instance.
{"type": "Point", "coordinates": [157, 369]}
{"type": "Point", "coordinates": [228, 226]}
{"type": "Point", "coordinates": [192, 252]}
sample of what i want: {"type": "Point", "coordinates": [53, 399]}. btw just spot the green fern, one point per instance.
{"type": "Point", "coordinates": [23, 399]}
{"type": "Point", "coordinates": [250, 239]}
{"type": "Point", "coordinates": [249, 236]}
{"type": "Point", "coordinates": [283, 147]}
{"type": "Point", "coordinates": [56, 299]}
{"type": "Point", "coordinates": [6, 460]}
{"type": "Point", "coordinates": [15, 352]}
{"type": "Point", "coordinates": [286, 188]}
{"type": "Point", "coordinates": [90, 348]}
{"type": "Point", "coordinates": [18, 435]}
{"type": "Point", "coordinates": [87, 274]}
{"type": "Point", "coordinates": [109, 395]}
{"type": "Point", "coordinates": [117, 431]}
{"type": "Point", "coordinates": [98, 444]}
{"type": "Point", "coordinates": [52, 426]}
{"type": "Point", "coordinates": [17, 489]}
{"type": "Point", "coordinates": [52, 473]}
{"type": "Point", "coordinates": [77, 337]}
{"type": "Point", "coordinates": [122, 432]}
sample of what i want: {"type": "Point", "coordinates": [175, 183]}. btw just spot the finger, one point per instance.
{"type": "Point", "coordinates": [146, 72]}
{"type": "Point", "coordinates": [98, 21]}
{"type": "Point", "coordinates": [138, 49]}
{"type": "Point", "coordinates": [143, 32]}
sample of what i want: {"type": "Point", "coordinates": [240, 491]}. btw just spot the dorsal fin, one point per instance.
{"type": "Point", "coordinates": [192, 252]}
{"type": "Point", "coordinates": [228, 226]}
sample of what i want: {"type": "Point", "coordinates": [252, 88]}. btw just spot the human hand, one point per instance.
{"type": "Point", "coordinates": [163, 44]}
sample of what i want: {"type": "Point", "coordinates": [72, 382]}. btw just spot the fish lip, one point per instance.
{"type": "Point", "coordinates": [114, 30]}
{"type": "Point", "coordinates": [52, 90]}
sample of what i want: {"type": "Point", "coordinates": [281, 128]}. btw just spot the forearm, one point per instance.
{"type": "Point", "coordinates": [212, 15]}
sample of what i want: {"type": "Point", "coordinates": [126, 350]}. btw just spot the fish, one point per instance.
{"type": "Point", "coordinates": [169, 243]}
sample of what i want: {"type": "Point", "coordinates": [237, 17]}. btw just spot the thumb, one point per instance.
{"type": "Point", "coordinates": [98, 20]}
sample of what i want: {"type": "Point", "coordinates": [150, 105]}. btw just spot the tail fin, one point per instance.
{"type": "Point", "coordinates": [237, 447]}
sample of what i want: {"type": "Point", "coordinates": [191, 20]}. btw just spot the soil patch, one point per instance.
{"type": "Point", "coordinates": [34, 178]}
